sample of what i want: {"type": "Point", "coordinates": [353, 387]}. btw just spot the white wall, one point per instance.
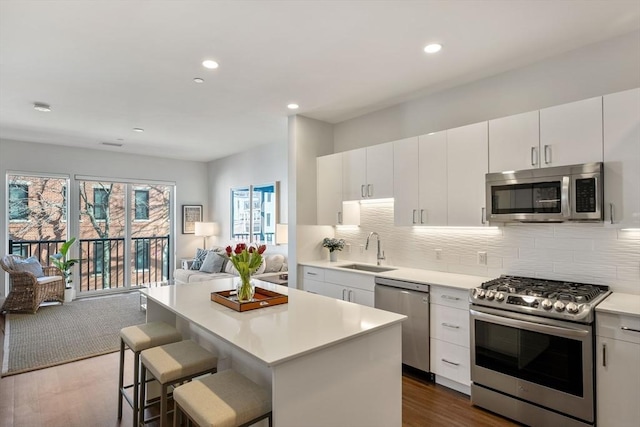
{"type": "Point", "coordinates": [190, 177]}
{"type": "Point", "coordinates": [607, 67]}
{"type": "Point", "coordinates": [589, 253]}
{"type": "Point", "coordinates": [261, 165]}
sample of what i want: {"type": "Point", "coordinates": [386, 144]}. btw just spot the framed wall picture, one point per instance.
{"type": "Point", "coordinates": [190, 215]}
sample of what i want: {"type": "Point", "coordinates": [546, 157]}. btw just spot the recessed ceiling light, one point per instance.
{"type": "Point", "coordinates": [209, 64]}
{"type": "Point", "coordinates": [293, 106]}
{"type": "Point", "coordinates": [138, 130]}
{"type": "Point", "coordinates": [40, 106]}
{"type": "Point", "coordinates": [433, 48]}
{"type": "Point", "coordinates": [198, 80]}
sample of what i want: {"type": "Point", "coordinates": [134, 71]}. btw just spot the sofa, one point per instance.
{"type": "Point", "coordinates": [208, 264]}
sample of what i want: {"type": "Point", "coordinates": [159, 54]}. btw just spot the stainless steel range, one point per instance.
{"type": "Point", "coordinates": [532, 349]}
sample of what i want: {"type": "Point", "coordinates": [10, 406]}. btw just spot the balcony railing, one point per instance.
{"type": "Point", "coordinates": [102, 261]}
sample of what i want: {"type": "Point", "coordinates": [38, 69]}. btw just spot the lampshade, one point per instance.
{"type": "Point", "coordinates": [282, 234]}
{"type": "Point", "coordinates": [205, 228]}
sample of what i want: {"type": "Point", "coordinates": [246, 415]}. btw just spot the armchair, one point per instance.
{"type": "Point", "coordinates": [27, 291]}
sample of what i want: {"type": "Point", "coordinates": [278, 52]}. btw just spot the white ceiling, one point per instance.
{"type": "Point", "coordinates": [106, 67]}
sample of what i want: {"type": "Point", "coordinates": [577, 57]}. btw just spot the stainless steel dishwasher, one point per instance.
{"type": "Point", "coordinates": [412, 300]}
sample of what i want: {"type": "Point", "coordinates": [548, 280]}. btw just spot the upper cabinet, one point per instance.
{"type": "Point", "coordinates": [367, 173]}
{"type": "Point", "coordinates": [622, 158]}
{"type": "Point", "coordinates": [571, 133]}
{"type": "Point", "coordinates": [331, 209]}
{"type": "Point", "coordinates": [514, 142]}
{"type": "Point", "coordinates": [420, 176]}
{"type": "Point", "coordinates": [467, 164]}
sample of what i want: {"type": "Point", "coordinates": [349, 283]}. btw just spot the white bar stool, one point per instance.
{"type": "Point", "coordinates": [171, 364]}
{"type": "Point", "coordinates": [138, 338]}
{"type": "Point", "coordinates": [225, 399]}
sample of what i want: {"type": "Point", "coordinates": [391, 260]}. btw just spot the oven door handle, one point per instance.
{"type": "Point", "coordinates": [566, 332]}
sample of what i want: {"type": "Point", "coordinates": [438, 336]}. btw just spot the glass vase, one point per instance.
{"type": "Point", "coordinates": [245, 288]}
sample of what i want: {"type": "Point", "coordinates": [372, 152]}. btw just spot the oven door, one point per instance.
{"type": "Point", "coordinates": [543, 361]}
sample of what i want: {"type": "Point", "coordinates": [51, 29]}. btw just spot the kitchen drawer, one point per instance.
{"type": "Point", "coordinates": [313, 273]}
{"type": "Point", "coordinates": [611, 326]}
{"type": "Point", "coordinates": [450, 297]}
{"type": "Point", "coordinates": [353, 280]}
{"type": "Point", "coordinates": [451, 361]}
{"type": "Point", "coordinates": [450, 324]}
{"type": "Point", "coordinates": [313, 286]}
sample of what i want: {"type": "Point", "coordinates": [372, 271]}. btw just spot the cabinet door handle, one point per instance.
{"type": "Point", "coordinates": [339, 217]}
{"type": "Point", "coordinates": [310, 273]}
{"type": "Point", "coordinates": [343, 291]}
{"type": "Point", "coordinates": [415, 211]}
{"type": "Point", "coordinates": [422, 220]}
{"type": "Point", "coordinates": [625, 328]}
{"type": "Point", "coordinates": [449, 297]}
{"type": "Point", "coordinates": [534, 156]}
{"type": "Point", "coordinates": [449, 325]}
{"type": "Point", "coordinates": [369, 190]}
{"type": "Point", "coordinates": [362, 191]}
{"type": "Point", "coordinates": [604, 355]}
{"type": "Point", "coordinates": [350, 296]}
{"type": "Point", "coordinates": [482, 215]}
{"type": "Point", "coordinates": [547, 154]}
{"type": "Point", "coordinates": [450, 362]}
{"type": "Point", "coordinates": [612, 213]}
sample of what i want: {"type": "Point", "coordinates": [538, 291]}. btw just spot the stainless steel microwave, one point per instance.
{"type": "Point", "coordinates": [556, 194]}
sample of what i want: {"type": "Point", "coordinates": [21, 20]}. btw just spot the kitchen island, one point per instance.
{"type": "Point", "coordinates": [327, 362]}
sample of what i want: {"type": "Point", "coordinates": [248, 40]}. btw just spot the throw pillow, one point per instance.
{"type": "Point", "coordinates": [213, 262]}
{"type": "Point", "coordinates": [30, 265]}
{"type": "Point", "coordinates": [201, 254]}
{"type": "Point", "coordinates": [274, 263]}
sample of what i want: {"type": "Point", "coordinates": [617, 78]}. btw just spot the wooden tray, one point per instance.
{"type": "Point", "coordinates": [262, 298]}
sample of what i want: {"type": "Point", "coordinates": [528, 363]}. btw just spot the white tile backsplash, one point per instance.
{"type": "Point", "coordinates": [591, 253]}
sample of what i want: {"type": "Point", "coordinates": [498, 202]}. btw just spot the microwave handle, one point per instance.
{"type": "Point", "coordinates": [565, 196]}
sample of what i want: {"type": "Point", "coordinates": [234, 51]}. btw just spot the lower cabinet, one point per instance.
{"type": "Point", "coordinates": [449, 337]}
{"type": "Point", "coordinates": [347, 286]}
{"type": "Point", "coordinates": [617, 370]}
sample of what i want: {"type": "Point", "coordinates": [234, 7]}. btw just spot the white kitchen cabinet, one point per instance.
{"type": "Point", "coordinates": [420, 173]}
{"type": "Point", "coordinates": [331, 209]}
{"type": "Point", "coordinates": [347, 286]}
{"type": "Point", "coordinates": [617, 373]}
{"type": "Point", "coordinates": [571, 133]}
{"type": "Point", "coordinates": [514, 142]}
{"type": "Point", "coordinates": [367, 173]}
{"type": "Point", "coordinates": [449, 337]}
{"type": "Point", "coordinates": [467, 164]}
{"type": "Point", "coordinates": [621, 113]}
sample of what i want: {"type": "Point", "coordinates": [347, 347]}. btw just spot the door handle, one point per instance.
{"type": "Point", "coordinates": [449, 325]}
{"type": "Point", "coordinates": [339, 217]}
{"type": "Point", "coordinates": [343, 291]}
{"type": "Point", "coordinates": [450, 362]}
{"type": "Point", "coordinates": [625, 328]}
{"type": "Point", "coordinates": [415, 211]}
{"type": "Point", "coordinates": [534, 156]}
{"type": "Point", "coordinates": [547, 154]}
{"type": "Point", "coordinates": [482, 220]}
{"type": "Point", "coordinates": [369, 190]}
{"type": "Point", "coordinates": [422, 220]}
{"type": "Point", "coordinates": [604, 355]}
{"type": "Point", "coordinates": [350, 296]}
{"type": "Point", "coordinates": [611, 213]}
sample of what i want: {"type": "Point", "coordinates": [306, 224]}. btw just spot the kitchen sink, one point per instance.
{"type": "Point", "coordinates": [364, 267]}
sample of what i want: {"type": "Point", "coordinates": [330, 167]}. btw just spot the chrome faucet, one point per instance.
{"type": "Point", "coordinates": [380, 255]}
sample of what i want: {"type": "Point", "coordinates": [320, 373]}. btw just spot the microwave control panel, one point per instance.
{"type": "Point", "coordinates": [585, 195]}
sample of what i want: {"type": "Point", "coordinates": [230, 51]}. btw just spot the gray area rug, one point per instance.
{"type": "Point", "coordinates": [59, 334]}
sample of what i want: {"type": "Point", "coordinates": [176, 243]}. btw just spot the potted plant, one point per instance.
{"type": "Point", "coordinates": [65, 264]}
{"type": "Point", "coordinates": [333, 245]}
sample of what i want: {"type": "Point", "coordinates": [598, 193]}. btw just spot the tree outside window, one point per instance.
{"type": "Point", "coordinates": [18, 202]}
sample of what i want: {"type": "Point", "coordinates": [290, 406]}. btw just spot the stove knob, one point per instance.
{"type": "Point", "coordinates": [481, 294]}
{"type": "Point", "coordinates": [547, 304]}
{"type": "Point", "coordinates": [558, 305]}
{"type": "Point", "coordinates": [499, 297]}
{"type": "Point", "coordinates": [572, 307]}
{"type": "Point", "coordinates": [491, 294]}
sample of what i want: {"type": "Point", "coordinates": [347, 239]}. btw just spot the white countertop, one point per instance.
{"type": "Point", "coordinates": [428, 277]}
{"type": "Point", "coordinates": [307, 323]}
{"type": "Point", "coordinates": [619, 303]}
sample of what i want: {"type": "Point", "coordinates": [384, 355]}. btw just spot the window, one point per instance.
{"type": "Point", "coordinates": [141, 204]}
{"type": "Point", "coordinates": [100, 203]}
{"type": "Point", "coordinates": [98, 257]}
{"type": "Point", "coordinates": [64, 202]}
{"type": "Point", "coordinates": [18, 202]}
{"type": "Point", "coordinates": [142, 254]}
{"type": "Point", "coordinates": [20, 249]}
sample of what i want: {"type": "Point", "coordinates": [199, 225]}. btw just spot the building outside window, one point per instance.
{"type": "Point", "coordinates": [141, 204]}
{"type": "Point", "coordinates": [18, 202]}
{"type": "Point", "coordinates": [143, 247]}
{"type": "Point", "coordinates": [98, 257]}
{"type": "Point", "coordinates": [100, 203]}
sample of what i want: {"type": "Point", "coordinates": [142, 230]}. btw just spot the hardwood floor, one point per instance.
{"type": "Point", "coordinates": [84, 393]}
